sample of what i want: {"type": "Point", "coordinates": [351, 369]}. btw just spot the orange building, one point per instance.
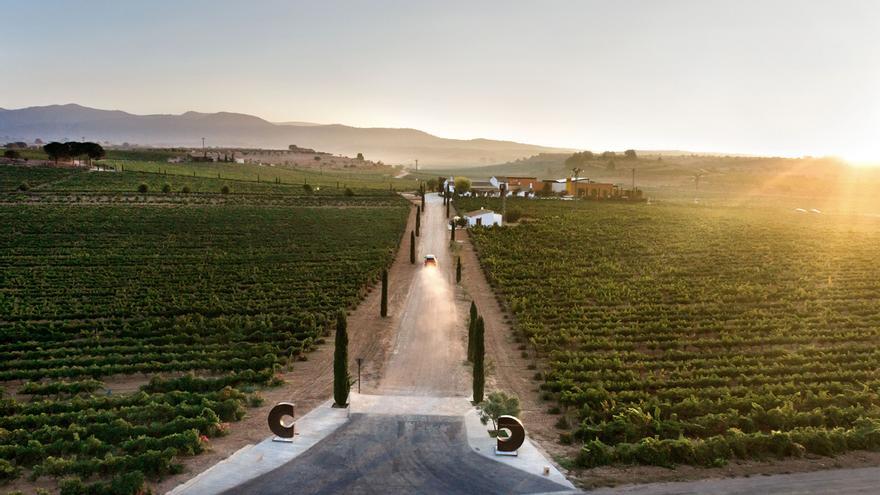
{"type": "Point", "coordinates": [523, 183]}
{"type": "Point", "coordinates": [585, 188]}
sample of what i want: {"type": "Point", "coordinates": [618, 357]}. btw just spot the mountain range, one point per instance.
{"type": "Point", "coordinates": [225, 129]}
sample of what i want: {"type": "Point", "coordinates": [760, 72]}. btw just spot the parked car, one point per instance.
{"type": "Point", "coordinates": [430, 260]}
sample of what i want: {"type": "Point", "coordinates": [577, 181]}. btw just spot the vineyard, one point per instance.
{"type": "Point", "coordinates": [693, 335]}
{"type": "Point", "coordinates": [205, 301]}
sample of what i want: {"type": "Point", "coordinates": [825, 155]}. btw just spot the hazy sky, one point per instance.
{"type": "Point", "coordinates": [773, 77]}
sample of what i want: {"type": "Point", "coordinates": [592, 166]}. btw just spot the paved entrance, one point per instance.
{"type": "Point", "coordinates": [377, 454]}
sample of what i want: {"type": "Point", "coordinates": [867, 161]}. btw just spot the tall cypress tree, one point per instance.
{"type": "Point", "coordinates": [472, 324]}
{"type": "Point", "coordinates": [341, 382]}
{"type": "Point", "coordinates": [479, 361]}
{"type": "Point", "coordinates": [418, 219]}
{"type": "Point", "coordinates": [412, 247]}
{"type": "Point", "coordinates": [383, 310]}
{"type": "Point", "coordinates": [458, 271]}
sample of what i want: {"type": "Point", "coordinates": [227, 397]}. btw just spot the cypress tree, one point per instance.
{"type": "Point", "coordinates": [458, 271]}
{"type": "Point", "coordinates": [341, 382]}
{"type": "Point", "coordinates": [412, 247]}
{"type": "Point", "coordinates": [418, 219]}
{"type": "Point", "coordinates": [452, 224]}
{"type": "Point", "coordinates": [423, 200]}
{"type": "Point", "coordinates": [384, 309]}
{"type": "Point", "coordinates": [479, 357]}
{"type": "Point", "coordinates": [472, 324]}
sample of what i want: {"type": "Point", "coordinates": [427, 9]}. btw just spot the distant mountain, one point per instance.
{"type": "Point", "coordinates": [226, 129]}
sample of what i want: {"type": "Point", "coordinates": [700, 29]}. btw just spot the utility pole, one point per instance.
{"type": "Point", "coordinates": [417, 164]}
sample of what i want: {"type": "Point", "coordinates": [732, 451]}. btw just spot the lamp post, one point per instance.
{"type": "Point", "coordinates": [359, 362]}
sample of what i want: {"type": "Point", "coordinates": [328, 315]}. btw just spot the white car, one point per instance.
{"type": "Point", "coordinates": [430, 260]}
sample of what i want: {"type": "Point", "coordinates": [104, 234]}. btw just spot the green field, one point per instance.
{"type": "Point", "coordinates": [686, 334]}
{"type": "Point", "coordinates": [209, 295]}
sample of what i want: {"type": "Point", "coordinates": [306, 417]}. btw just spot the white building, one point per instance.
{"type": "Point", "coordinates": [483, 218]}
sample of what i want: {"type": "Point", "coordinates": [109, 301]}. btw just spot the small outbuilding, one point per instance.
{"type": "Point", "coordinates": [483, 218]}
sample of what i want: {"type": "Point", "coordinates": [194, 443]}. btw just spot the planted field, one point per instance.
{"type": "Point", "coordinates": [695, 335]}
{"type": "Point", "coordinates": [204, 302]}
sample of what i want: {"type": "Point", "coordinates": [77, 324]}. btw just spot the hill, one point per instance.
{"type": "Point", "coordinates": [226, 129]}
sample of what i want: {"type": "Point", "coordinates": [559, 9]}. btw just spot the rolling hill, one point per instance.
{"type": "Point", "coordinates": [56, 122]}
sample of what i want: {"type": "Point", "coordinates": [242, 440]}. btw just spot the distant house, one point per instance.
{"type": "Point", "coordinates": [485, 187]}
{"type": "Point", "coordinates": [483, 218]}
{"type": "Point", "coordinates": [522, 184]}
{"type": "Point", "coordinates": [581, 187]}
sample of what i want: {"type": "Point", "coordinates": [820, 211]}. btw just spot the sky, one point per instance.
{"type": "Point", "coordinates": [771, 77]}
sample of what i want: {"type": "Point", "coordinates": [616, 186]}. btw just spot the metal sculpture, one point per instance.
{"type": "Point", "coordinates": [283, 432]}
{"type": "Point", "coordinates": [515, 439]}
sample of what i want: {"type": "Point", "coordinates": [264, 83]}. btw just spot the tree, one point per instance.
{"type": "Point", "coordinates": [412, 246]}
{"type": "Point", "coordinates": [472, 325]}
{"type": "Point", "coordinates": [432, 184]}
{"type": "Point", "coordinates": [479, 360]}
{"type": "Point", "coordinates": [383, 310]}
{"type": "Point", "coordinates": [458, 271]}
{"type": "Point", "coordinates": [462, 185]}
{"type": "Point", "coordinates": [418, 219]}
{"type": "Point", "coordinates": [143, 187]}
{"type": "Point", "coordinates": [578, 159]}
{"type": "Point", "coordinates": [93, 150]}
{"type": "Point", "coordinates": [360, 157]}
{"type": "Point", "coordinates": [166, 188]}
{"type": "Point", "coordinates": [11, 154]}
{"type": "Point", "coordinates": [224, 190]}
{"type": "Point", "coordinates": [341, 380]}
{"type": "Point", "coordinates": [630, 154]}
{"type": "Point", "coordinates": [498, 404]}
{"type": "Point", "coordinates": [451, 227]}
{"type": "Point", "coordinates": [348, 192]}
{"type": "Point", "coordinates": [56, 151]}
{"type": "Point", "coordinates": [547, 189]}
{"type": "Point", "coordinates": [611, 165]}
{"type": "Point", "coordinates": [608, 155]}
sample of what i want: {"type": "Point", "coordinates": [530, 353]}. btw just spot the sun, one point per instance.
{"type": "Point", "coordinates": [867, 155]}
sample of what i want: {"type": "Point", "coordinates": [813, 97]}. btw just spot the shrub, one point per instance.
{"type": "Point", "coordinates": [8, 471]}
{"type": "Point", "coordinates": [349, 192]}
{"type": "Point", "coordinates": [143, 187]}
{"type": "Point", "coordinates": [594, 453]}
{"type": "Point", "coordinates": [166, 188]}
{"type": "Point", "coordinates": [224, 190]}
{"type": "Point", "coordinates": [307, 188]}
{"type": "Point", "coordinates": [498, 404]}
{"type": "Point", "coordinates": [24, 186]}
{"type": "Point", "coordinates": [186, 190]}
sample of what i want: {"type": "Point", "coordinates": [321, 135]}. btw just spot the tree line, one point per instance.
{"type": "Point", "coordinates": [74, 149]}
{"type": "Point", "coordinates": [582, 157]}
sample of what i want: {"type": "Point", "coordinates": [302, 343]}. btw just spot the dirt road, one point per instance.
{"type": "Point", "coordinates": [428, 351]}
